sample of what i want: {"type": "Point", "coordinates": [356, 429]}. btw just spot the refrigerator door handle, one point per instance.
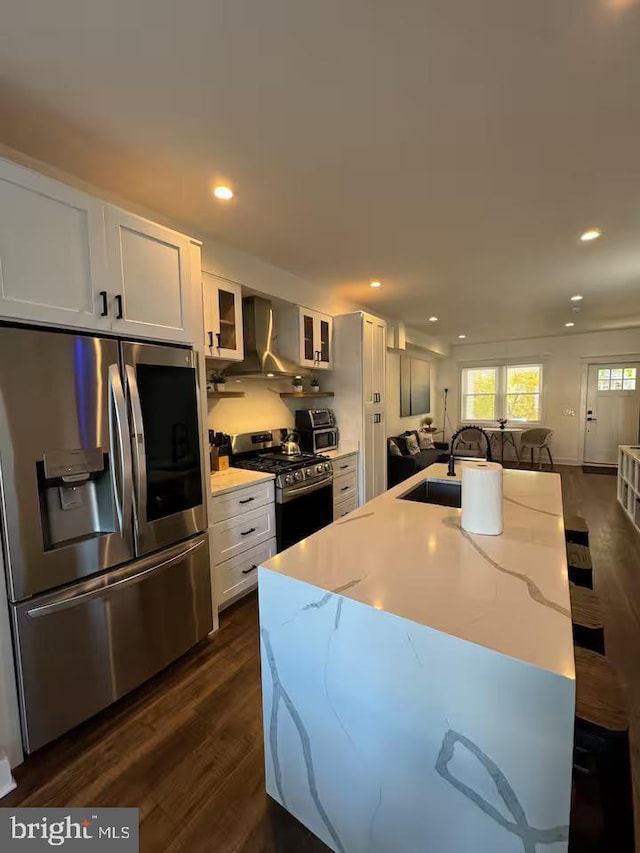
{"type": "Point", "coordinates": [124, 498]}
{"type": "Point", "coordinates": [139, 450]}
{"type": "Point", "coordinates": [148, 566]}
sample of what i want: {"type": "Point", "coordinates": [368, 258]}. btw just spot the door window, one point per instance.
{"type": "Point", "coordinates": [617, 379]}
{"type": "Point", "coordinates": [172, 447]}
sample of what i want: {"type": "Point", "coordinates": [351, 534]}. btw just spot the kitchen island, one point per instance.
{"type": "Point", "coordinates": [418, 681]}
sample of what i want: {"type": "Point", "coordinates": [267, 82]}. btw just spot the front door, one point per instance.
{"type": "Point", "coordinates": [613, 411]}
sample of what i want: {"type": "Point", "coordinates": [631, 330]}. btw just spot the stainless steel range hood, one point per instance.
{"type": "Point", "coordinates": [260, 360]}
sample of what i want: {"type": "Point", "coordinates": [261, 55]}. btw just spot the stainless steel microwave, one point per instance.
{"type": "Point", "coordinates": [319, 440]}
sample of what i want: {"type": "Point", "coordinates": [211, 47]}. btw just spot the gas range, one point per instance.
{"type": "Point", "coordinates": [303, 485]}
{"type": "Point", "coordinates": [290, 471]}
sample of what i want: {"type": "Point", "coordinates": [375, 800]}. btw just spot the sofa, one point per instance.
{"type": "Point", "coordinates": [401, 467]}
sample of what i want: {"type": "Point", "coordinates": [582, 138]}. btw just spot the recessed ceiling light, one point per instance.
{"type": "Point", "coordinates": [569, 325]}
{"type": "Point", "coordinates": [222, 192]}
{"type": "Point", "coordinates": [433, 319]}
{"type": "Point", "coordinates": [577, 298]}
{"type": "Point", "coordinates": [376, 284]}
{"type": "Point", "coordinates": [462, 337]}
{"type": "Point", "coordinates": [591, 234]}
{"type": "Point", "coordinates": [270, 375]}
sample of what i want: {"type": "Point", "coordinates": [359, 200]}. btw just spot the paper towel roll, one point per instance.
{"type": "Point", "coordinates": [482, 498]}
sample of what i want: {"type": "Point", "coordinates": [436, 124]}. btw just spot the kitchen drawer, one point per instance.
{"type": "Point", "coordinates": [242, 500]}
{"type": "Point", "coordinates": [345, 465]}
{"type": "Point", "coordinates": [345, 487]}
{"type": "Point", "coordinates": [345, 507]}
{"type": "Point", "coordinates": [236, 535]}
{"type": "Point", "coordinates": [240, 574]}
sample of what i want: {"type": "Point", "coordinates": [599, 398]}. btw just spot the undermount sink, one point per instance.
{"type": "Point", "coordinates": [435, 492]}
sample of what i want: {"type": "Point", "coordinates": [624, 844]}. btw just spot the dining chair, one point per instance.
{"type": "Point", "coordinates": [470, 441]}
{"type": "Point", "coordinates": [536, 439]}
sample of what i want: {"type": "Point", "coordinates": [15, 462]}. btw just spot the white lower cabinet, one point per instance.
{"type": "Point", "coordinates": [243, 535]}
{"type": "Point", "coordinates": [240, 574]}
{"type": "Point", "coordinates": [345, 485]}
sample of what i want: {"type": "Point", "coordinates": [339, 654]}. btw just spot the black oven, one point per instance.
{"type": "Point", "coordinates": [302, 511]}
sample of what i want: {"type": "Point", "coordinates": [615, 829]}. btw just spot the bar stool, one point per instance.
{"type": "Point", "coordinates": [587, 618]}
{"type": "Point", "coordinates": [576, 530]}
{"type": "Point", "coordinates": [601, 746]}
{"type": "Point", "coordinates": [580, 565]}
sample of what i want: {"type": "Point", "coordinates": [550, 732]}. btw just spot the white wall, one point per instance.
{"type": "Point", "coordinates": [261, 408]}
{"type": "Point", "coordinates": [396, 424]}
{"type": "Point", "coordinates": [565, 358]}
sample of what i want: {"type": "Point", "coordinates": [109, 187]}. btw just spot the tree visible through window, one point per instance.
{"type": "Point", "coordinates": [509, 391]}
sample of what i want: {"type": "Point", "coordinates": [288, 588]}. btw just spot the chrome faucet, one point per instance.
{"type": "Point", "coordinates": [451, 470]}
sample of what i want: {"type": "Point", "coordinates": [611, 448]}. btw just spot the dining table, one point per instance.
{"type": "Point", "coordinates": [506, 436]}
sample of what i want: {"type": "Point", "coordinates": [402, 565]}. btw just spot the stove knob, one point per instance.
{"type": "Point", "coordinates": [309, 472]}
{"type": "Point", "coordinates": [288, 480]}
{"type": "Point", "coordinates": [297, 476]}
{"type": "Point", "coordinates": [327, 466]}
{"type": "Point", "coordinates": [319, 469]}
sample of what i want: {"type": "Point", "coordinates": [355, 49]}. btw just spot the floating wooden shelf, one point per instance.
{"type": "Point", "coordinates": [306, 393]}
{"type": "Point", "coordinates": [220, 394]}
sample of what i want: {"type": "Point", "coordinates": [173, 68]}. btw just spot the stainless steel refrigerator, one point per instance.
{"type": "Point", "coordinates": [103, 518]}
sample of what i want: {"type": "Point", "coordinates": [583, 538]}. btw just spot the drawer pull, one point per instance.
{"type": "Point", "coordinates": [342, 467]}
{"type": "Point", "coordinates": [251, 569]}
{"type": "Point", "coordinates": [247, 532]}
{"type": "Point", "coordinates": [344, 488]}
{"type": "Point", "coordinates": [246, 501]}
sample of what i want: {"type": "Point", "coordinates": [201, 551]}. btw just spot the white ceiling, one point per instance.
{"type": "Point", "coordinates": [453, 148]}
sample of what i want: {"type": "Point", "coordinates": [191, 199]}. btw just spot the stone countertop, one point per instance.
{"type": "Point", "coordinates": [509, 593]}
{"type": "Point", "coordinates": [345, 449]}
{"type": "Point", "coordinates": [235, 478]}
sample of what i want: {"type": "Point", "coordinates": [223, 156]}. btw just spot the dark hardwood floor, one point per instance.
{"type": "Point", "coordinates": [186, 748]}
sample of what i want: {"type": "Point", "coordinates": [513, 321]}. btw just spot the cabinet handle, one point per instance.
{"type": "Point", "coordinates": [342, 467]}
{"type": "Point", "coordinates": [344, 488]}
{"type": "Point", "coordinates": [218, 337]}
{"type": "Point", "coordinates": [119, 315]}
{"type": "Point", "coordinates": [105, 304]}
{"type": "Point", "coordinates": [246, 501]}
{"type": "Point", "coordinates": [247, 532]}
{"type": "Point", "coordinates": [210, 340]}
{"type": "Point", "coordinates": [251, 569]}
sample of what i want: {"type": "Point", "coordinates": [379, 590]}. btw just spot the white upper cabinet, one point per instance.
{"type": "Point", "coordinates": [68, 259]}
{"type": "Point", "coordinates": [222, 309]}
{"type": "Point", "coordinates": [53, 265]}
{"type": "Point", "coordinates": [374, 350]}
{"type": "Point", "coordinates": [308, 338]}
{"type": "Point", "coordinates": [150, 267]}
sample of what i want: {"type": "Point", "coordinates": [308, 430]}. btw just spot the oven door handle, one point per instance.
{"type": "Point", "coordinates": [305, 490]}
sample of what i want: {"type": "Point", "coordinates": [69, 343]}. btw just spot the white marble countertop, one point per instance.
{"type": "Point", "coordinates": [235, 478]}
{"type": "Point", "coordinates": [345, 449]}
{"type": "Point", "coordinates": [509, 593]}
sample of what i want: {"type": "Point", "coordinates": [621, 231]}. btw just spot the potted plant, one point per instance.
{"type": "Point", "coordinates": [219, 379]}
{"type": "Point", "coordinates": [297, 384]}
{"type": "Point", "coordinates": [315, 384]}
{"type": "Point", "coordinates": [503, 422]}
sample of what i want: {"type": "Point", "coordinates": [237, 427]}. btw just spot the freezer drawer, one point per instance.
{"type": "Point", "coordinates": [80, 649]}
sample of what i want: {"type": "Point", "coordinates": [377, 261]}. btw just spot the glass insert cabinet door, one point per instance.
{"type": "Point", "coordinates": [163, 398]}
{"type": "Point", "coordinates": [315, 339]}
{"type": "Point", "coordinates": [223, 333]}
